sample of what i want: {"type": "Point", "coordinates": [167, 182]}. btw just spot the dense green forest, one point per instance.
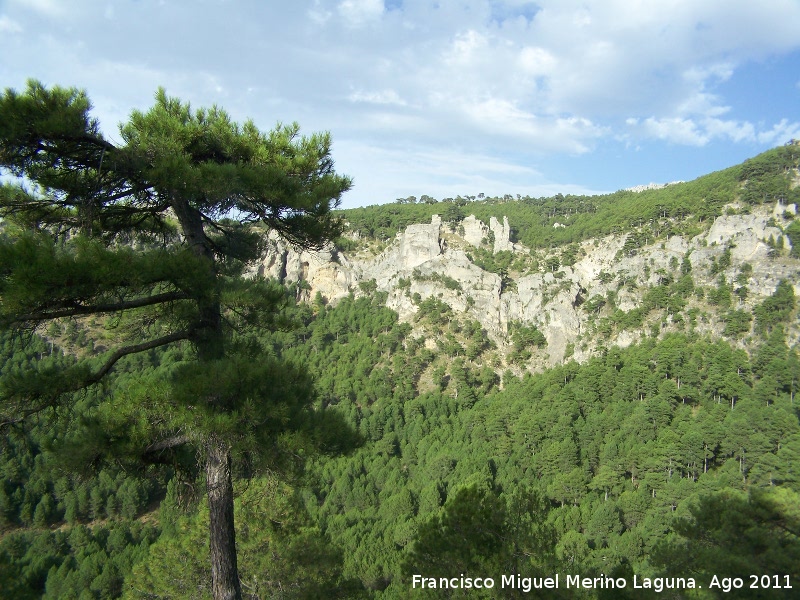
{"type": "Point", "coordinates": [610, 466]}
{"type": "Point", "coordinates": [675, 458]}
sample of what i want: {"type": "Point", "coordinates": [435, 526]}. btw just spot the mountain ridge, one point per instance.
{"type": "Point", "coordinates": [583, 295]}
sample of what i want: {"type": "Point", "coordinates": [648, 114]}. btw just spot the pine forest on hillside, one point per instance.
{"type": "Point", "coordinates": [371, 448]}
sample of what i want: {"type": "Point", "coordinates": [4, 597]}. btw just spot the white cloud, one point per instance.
{"type": "Point", "coordinates": [780, 133]}
{"type": "Point", "coordinates": [438, 172]}
{"type": "Point", "coordinates": [465, 48]}
{"type": "Point", "coordinates": [640, 55]}
{"type": "Point", "coordinates": [10, 26]}
{"type": "Point", "coordinates": [503, 118]}
{"type": "Point", "coordinates": [500, 77]}
{"type": "Point", "coordinates": [675, 130]}
{"type": "Point", "coordinates": [537, 61]}
{"type": "Point", "coordinates": [689, 132]}
{"type": "Point", "coordinates": [702, 103]}
{"type": "Point", "coordinates": [49, 8]}
{"type": "Point", "coordinates": [359, 12]}
{"type": "Point", "coordinates": [735, 131]}
{"type": "Point", "coordinates": [378, 97]}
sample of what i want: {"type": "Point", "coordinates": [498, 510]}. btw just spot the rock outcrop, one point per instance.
{"type": "Point", "coordinates": [475, 231]}
{"type": "Point", "coordinates": [418, 263]}
{"type": "Point", "coordinates": [420, 243]}
{"type": "Point", "coordinates": [502, 234]}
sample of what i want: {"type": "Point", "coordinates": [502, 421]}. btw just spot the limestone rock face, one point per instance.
{"type": "Point", "coordinates": [784, 208]}
{"type": "Point", "coordinates": [747, 232]}
{"type": "Point", "coordinates": [417, 245]}
{"type": "Point", "coordinates": [328, 272]}
{"type": "Point", "coordinates": [419, 263]}
{"type": "Point", "coordinates": [502, 234]}
{"type": "Point", "coordinates": [420, 243]}
{"type": "Point", "coordinates": [474, 230]}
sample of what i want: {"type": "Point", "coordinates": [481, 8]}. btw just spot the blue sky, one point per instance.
{"type": "Point", "coordinates": [449, 97]}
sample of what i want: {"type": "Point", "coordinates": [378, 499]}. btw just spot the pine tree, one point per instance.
{"type": "Point", "coordinates": [157, 231]}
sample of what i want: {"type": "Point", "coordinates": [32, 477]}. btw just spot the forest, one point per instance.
{"type": "Point", "coordinates": [370, 449]}
{"type": "Point", "coordinates": [678, 456]}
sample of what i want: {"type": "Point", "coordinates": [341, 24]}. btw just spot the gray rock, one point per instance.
{"type": "Point", "coordinates": [502, 235]}
{"type": "Point", "coordinates": [554, 305]}
{"type": "Point", "coordinates": [475, 231]}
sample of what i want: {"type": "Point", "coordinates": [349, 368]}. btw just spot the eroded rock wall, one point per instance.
{"type": "Point", "coordinates": [419, 262]}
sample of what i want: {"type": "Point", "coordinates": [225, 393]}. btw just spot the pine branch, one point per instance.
{"type": "Point", "coordinates": [167, 444]}
{"type": "Point", "coordinates": [49, 398]}
{"type": "Point", "coordinates": [135, 349]}
{"type": "Point", "coordinates": [153, 453]}
{"type": "Point", "coordinates": [73, 311]}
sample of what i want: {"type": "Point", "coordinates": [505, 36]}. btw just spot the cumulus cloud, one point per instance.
{"type": "Point", "coordinates": [537, 61]}
{"type": "Point", "coordinates": [501, 117]}
{"type": "Point", "coordinates": [360, 12]}
{"type": "Point", "coordinates": [780, 133]}
{"type": "Point", "coordinates": [675, 130]}
{"type": "Point", "coordinates": [689, 132]}
{"type": "Point", "coordinates": [494, 76]}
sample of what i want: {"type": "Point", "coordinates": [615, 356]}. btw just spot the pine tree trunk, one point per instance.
{"type": "Point", "coordinates": [224, 572]}
{"type": "Point", "coordinates": [209, 341]}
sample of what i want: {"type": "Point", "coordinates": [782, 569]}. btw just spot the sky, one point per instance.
{"type": "Point", "coordinates": [448, 97]}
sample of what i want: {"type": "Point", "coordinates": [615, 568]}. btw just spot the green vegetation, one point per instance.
{"type": "Point", "coordinates": [611, 453]}
{"type": "Point", "coordinates": [73, 563]}
{"type": "Point", "coordinates": [653, 214]}
{"type": "Point", "coordinates": [584, 468]}
{"type": "Point", "coordinates": [362, 451]}
{"type": "Point", "coordinates": [141, 231]}
{"type": "Point", "coordinates": [776, 309]}
{"type": "Point", "coordinates": [524, 339]}
{"type": "Point", "coordinates": [446, 280]}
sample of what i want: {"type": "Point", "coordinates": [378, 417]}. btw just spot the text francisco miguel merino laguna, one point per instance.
{"type": "Point", "coordinates": [526, 584]}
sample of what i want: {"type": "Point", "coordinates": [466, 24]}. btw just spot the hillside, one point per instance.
{"type": "Point", "coordinates": [595, 272]}
{"type": "Point", "coordinates": [596, 387]}
{"type": "Point", "coordinates": [768, 178]}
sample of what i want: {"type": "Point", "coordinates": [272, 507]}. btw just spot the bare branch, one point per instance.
{"type": "Point", "coordinates": [168, 443]}
{"type": "Point", "coordinates": [73, 311]}
{"type": "Point", "coordinates": [135, 349]}
{"type": "Point", "coordinates": [50, 400]}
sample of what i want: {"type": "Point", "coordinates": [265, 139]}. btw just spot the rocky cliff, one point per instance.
{"type": "Point", "coordinates": [543, 289]}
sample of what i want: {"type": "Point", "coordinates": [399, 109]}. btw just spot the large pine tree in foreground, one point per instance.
{"type": "Point", "coordinates": [156, 232]}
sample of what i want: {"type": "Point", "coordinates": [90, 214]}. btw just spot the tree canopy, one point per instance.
{"type": "Point", "coordinates": [154, 234]}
